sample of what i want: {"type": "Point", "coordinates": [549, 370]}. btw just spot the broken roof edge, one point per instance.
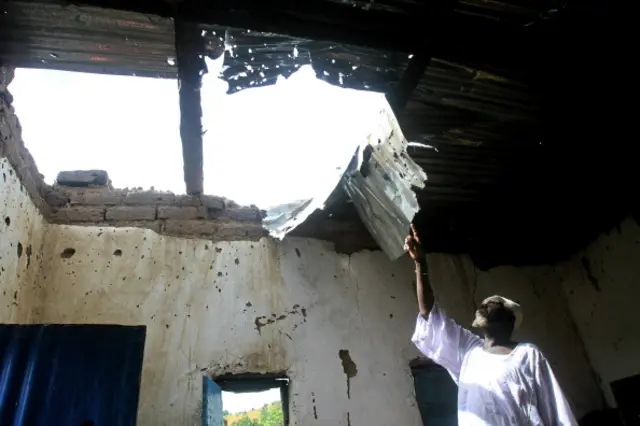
{"type": "Point", "coordinates": [379, 179]}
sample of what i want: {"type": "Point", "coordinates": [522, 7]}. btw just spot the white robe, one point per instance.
{"type": "Point", "coordinates": [515, 389]}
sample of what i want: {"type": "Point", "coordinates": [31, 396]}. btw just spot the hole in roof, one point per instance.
{"type": "Point", "coordinates": [266, 146]}
{"type": "Point", "coordinates": [283, 142]}
{"type": "Point", "coordinates": [128, 126]}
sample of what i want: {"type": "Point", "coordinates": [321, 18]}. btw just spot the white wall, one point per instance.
{"type": "Point", "coordinates": [602, 285]}
{"type": "Point", "coordinates": [21, 232]}
{"type": "Point", "coordinates": [201, 303]}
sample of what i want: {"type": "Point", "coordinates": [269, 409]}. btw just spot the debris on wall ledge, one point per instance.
{"type": "Point", "coordinates": [203, 216]}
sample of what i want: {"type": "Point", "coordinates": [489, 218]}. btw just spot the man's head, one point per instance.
{"type": "Point", "coordinates": [498, 313]}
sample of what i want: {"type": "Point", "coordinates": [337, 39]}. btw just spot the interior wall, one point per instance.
{"type": "Point", "coordinates": [21, 235]}
{"type": "Point", "coordinates": [602, 289]}
{"type": "Point", "coordinates": [239, 307]}
{"type": "Point", "coordinates": [290, 307]}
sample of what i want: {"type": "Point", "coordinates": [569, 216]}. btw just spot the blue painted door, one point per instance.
{"type": "Point", "coordinates": [212, 414]}
{"type": "Point", "coordinates": [70, 375]}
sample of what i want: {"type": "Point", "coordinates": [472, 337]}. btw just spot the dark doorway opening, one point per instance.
{"type": "Point", "coordinates": [436, 393]}
{"type": "Point", "coordinates": [626, 392]}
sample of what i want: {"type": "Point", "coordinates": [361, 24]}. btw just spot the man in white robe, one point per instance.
{"type": "Point", "coordinates": [500, 382]}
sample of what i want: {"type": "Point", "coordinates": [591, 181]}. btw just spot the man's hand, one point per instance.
{"type": "Point", "coordinates": [413, 246]}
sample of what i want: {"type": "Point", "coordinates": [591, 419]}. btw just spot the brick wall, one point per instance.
{"type": "Point", "coordinates": [206, 216]}
{"type": "Point", "coordinates": [180, 215]}
{"type": "Point", "coordinates": [87, 199]}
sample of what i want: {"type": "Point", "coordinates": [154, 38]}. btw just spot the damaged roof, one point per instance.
{"type": "Point", "coordinates": [487, 121]}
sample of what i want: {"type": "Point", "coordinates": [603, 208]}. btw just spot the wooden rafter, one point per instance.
{"type": "Point", "coordinates": [191, 66]}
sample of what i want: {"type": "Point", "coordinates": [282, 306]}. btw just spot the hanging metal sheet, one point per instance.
{"type": "Point", "coordinates": [381, 185]}
{"type": "Point", "coordinates": [54, 375]}
{"type": "Point", "coordinates": [380, 179]}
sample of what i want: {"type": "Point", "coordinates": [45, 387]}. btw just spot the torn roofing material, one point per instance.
{"type": "Point", "coordinates": [380, 179]}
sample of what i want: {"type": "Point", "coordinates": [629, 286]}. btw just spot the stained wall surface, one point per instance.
{"type": "Point", "coordinates": [245, 307]}
{"type": "Point", "coordinates": [21, 236]}
{"type": "Point", "coordinates": [602, 287]}
{"type": "Point", "coordinates": [237, 307]}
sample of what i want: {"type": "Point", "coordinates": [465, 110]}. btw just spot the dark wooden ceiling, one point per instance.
{"type": "Point", "coordinates": [519, 98]}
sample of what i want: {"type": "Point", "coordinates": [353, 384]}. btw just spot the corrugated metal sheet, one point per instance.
{"type": "Point", "coordinates": [379, 179]}
{"type": "Point", "coordinates": [515, 11]}
{"type": "Point", "coordinates": [381, 185]}
{"type": "Point", "coordinates": [87, 39]}
{"type": "Point", "coordinates": [70, 374]}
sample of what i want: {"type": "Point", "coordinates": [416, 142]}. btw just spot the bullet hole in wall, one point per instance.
{"type": "Point", "coordinates": [7, 221]}
{"type": "Point", "coordinates": [117, 252]}
{"type": "Point", "coordinates": [19, 250]}
{"type": "Point", "coordinates": [67, 253]}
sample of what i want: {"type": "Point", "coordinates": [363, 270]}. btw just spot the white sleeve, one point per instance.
{"type": "Point", "coordinates": [444, 341]}
{"type": "Point", "coordinates": [552, 404]}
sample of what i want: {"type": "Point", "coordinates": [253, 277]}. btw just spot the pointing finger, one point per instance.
{"type": "Point", "coordinates": [415, 233]}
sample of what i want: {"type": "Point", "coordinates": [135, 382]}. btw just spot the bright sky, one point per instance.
{"type": "Point", "coordinates": [262, 146]}
{"type": "Point", "coordinates": [240, 402]}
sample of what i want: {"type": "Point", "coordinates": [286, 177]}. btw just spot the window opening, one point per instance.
{"type": "Point", "coordinates": [246, 400]}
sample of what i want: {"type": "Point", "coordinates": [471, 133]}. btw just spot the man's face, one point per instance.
{"type": "Point", "coordinates": [491, 311]}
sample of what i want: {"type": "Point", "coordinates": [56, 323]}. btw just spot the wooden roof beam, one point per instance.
{"type": "Point", "coordinates": [191, 67]}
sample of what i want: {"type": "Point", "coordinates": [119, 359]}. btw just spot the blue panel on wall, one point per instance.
{"type": "Point", "coordinates": [70, 375]}
{"type": "Point", "coordinates": [437, 396]}
{"type": "Point", "coordinates": [212, 414]}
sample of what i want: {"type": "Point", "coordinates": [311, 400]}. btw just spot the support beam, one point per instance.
{"type": "Point", "coordinates": [400, 96]}
{"type": "Point", "coordinates": [443, 10]}
{"type": "Point", "coordinates": [191, 66]}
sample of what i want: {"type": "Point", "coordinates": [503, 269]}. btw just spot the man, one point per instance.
{"type": "Point", "coordinates": [500, 382]}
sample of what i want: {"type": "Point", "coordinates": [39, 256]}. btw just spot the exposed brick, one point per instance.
{"type": "Point", "coordinates": [176, 212]}
{"type": "Point", "coordinates": [78, 214]}
{"type": "Point", "coordinates": [242, 214]}
{"type": "Point", "coordinates": [199, 228]}
{"type": "Point", "coordinates": [121, 213]}
{"type": "Point", "coordinates": [92, 196]}
{"type": "Point", "coordinates": [188, 200]}
{"type": "Point", "coordinates": [213, 202]}
{"type": "Point", "coordinates": [149, 197]}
